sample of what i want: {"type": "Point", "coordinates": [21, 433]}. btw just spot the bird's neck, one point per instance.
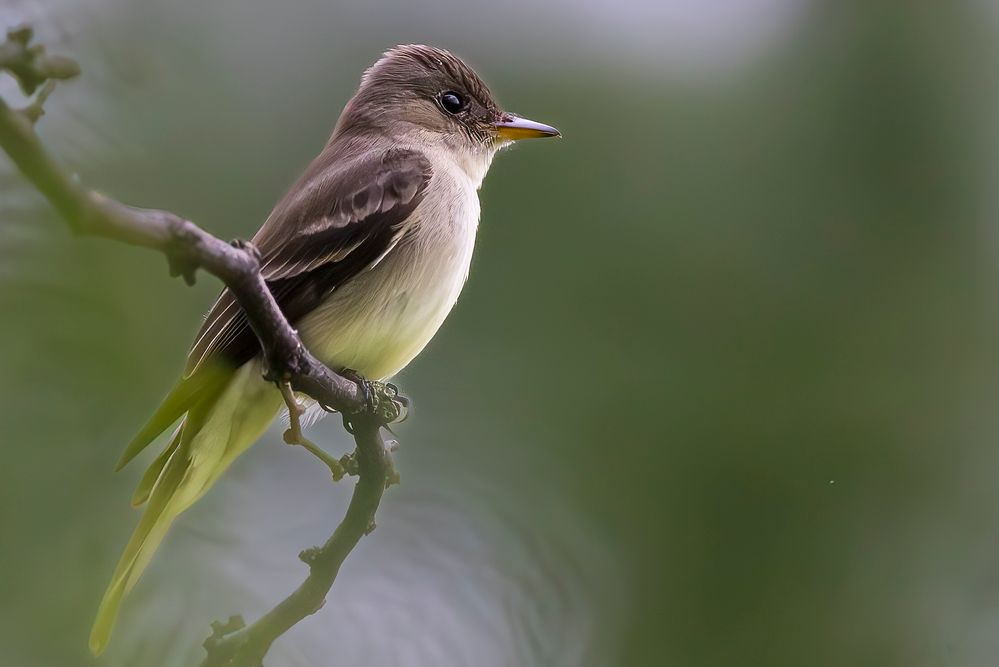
{"type": "Point", "coordinates": [473, 161]}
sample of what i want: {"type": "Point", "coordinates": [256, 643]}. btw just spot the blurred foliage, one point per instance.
{"type": "Point", "coordinates": [744, 324]}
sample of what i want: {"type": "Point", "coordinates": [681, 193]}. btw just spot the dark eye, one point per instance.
{"type": "Point", "coordinates": [452, 102]}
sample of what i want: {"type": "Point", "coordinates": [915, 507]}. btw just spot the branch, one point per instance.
{"type": "Point", "coordinates": [30, 65]}
{"type": "Point", "coordinates": [287, 362]}
{"type": "Point", "coordinates": [187, 248]}
{"type": "Point", "coordinates": [237, 645]}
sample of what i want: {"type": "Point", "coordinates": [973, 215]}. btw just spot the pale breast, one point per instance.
{"type": "Point", "coordinates": [380, 320]}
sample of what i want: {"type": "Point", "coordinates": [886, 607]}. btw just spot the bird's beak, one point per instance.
{"type": "Point", "coordinates": [513, 128]}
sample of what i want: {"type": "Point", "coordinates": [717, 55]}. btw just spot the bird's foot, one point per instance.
{"type": "Point", "coordinates": [381, 399]}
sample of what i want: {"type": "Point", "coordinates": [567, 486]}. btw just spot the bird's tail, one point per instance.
{"type": "Point", "coordinates": [217, 429]}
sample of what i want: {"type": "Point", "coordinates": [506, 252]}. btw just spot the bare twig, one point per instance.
{"type": "Point", "coordinates": [187, 248]}
{"type": "Point", "coordinates": [249, 645]}
{"type": "Point", "coordinates": [29, 64]}
{"type": "Point", "coordinates": [36, 109]}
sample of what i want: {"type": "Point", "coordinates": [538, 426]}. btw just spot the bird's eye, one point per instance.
{"type": "Point", "coordinates": [452, 102]}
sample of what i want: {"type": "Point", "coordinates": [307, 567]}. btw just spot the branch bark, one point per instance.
{"type": "Point", "coordinates": [187, 248]}
{"type": "Point", "coordinates": [235, 645]}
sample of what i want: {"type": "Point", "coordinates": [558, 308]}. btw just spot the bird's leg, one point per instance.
{"type": "Point", "coordinates": [294, 435]}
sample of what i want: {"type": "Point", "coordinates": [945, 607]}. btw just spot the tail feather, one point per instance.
{"type": "Point", "coordinates": [194, 390]}
{"type": "Point", "coordinates": [155, 469]}
{"type": "Point", "coordinates": [143, 538]}
{"type": "Point", "coordinates": [217, 429]}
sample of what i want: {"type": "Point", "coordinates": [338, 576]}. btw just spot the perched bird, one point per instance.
{"type": "Point", "coordinates": [366, 255]}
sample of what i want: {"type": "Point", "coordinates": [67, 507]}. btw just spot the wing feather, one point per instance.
{"type": "Point", "coordinates": [334, 224]}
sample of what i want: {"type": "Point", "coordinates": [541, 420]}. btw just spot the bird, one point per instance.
{"type": "Point", "coordinates": [365, 254]}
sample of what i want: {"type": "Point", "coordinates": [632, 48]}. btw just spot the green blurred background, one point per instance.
{"type": "Point", "coordinates": [721, 389]}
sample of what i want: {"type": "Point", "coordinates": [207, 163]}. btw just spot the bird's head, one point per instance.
{"type": "Point", "coordinates": [417, 90]}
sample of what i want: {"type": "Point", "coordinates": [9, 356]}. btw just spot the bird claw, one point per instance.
{"type": "Point", "coordinates": [381, 399]}
{"type": "Point", "coordinates": [403, 403]}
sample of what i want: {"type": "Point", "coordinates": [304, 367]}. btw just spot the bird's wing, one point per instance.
{"type": "Point", "coordinates": [336, 224]}
{"type": "Point", "coordinates": [333, 225]}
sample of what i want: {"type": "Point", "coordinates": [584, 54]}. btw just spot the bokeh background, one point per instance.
{"type": "Point", "coordinates": [722, 388]}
